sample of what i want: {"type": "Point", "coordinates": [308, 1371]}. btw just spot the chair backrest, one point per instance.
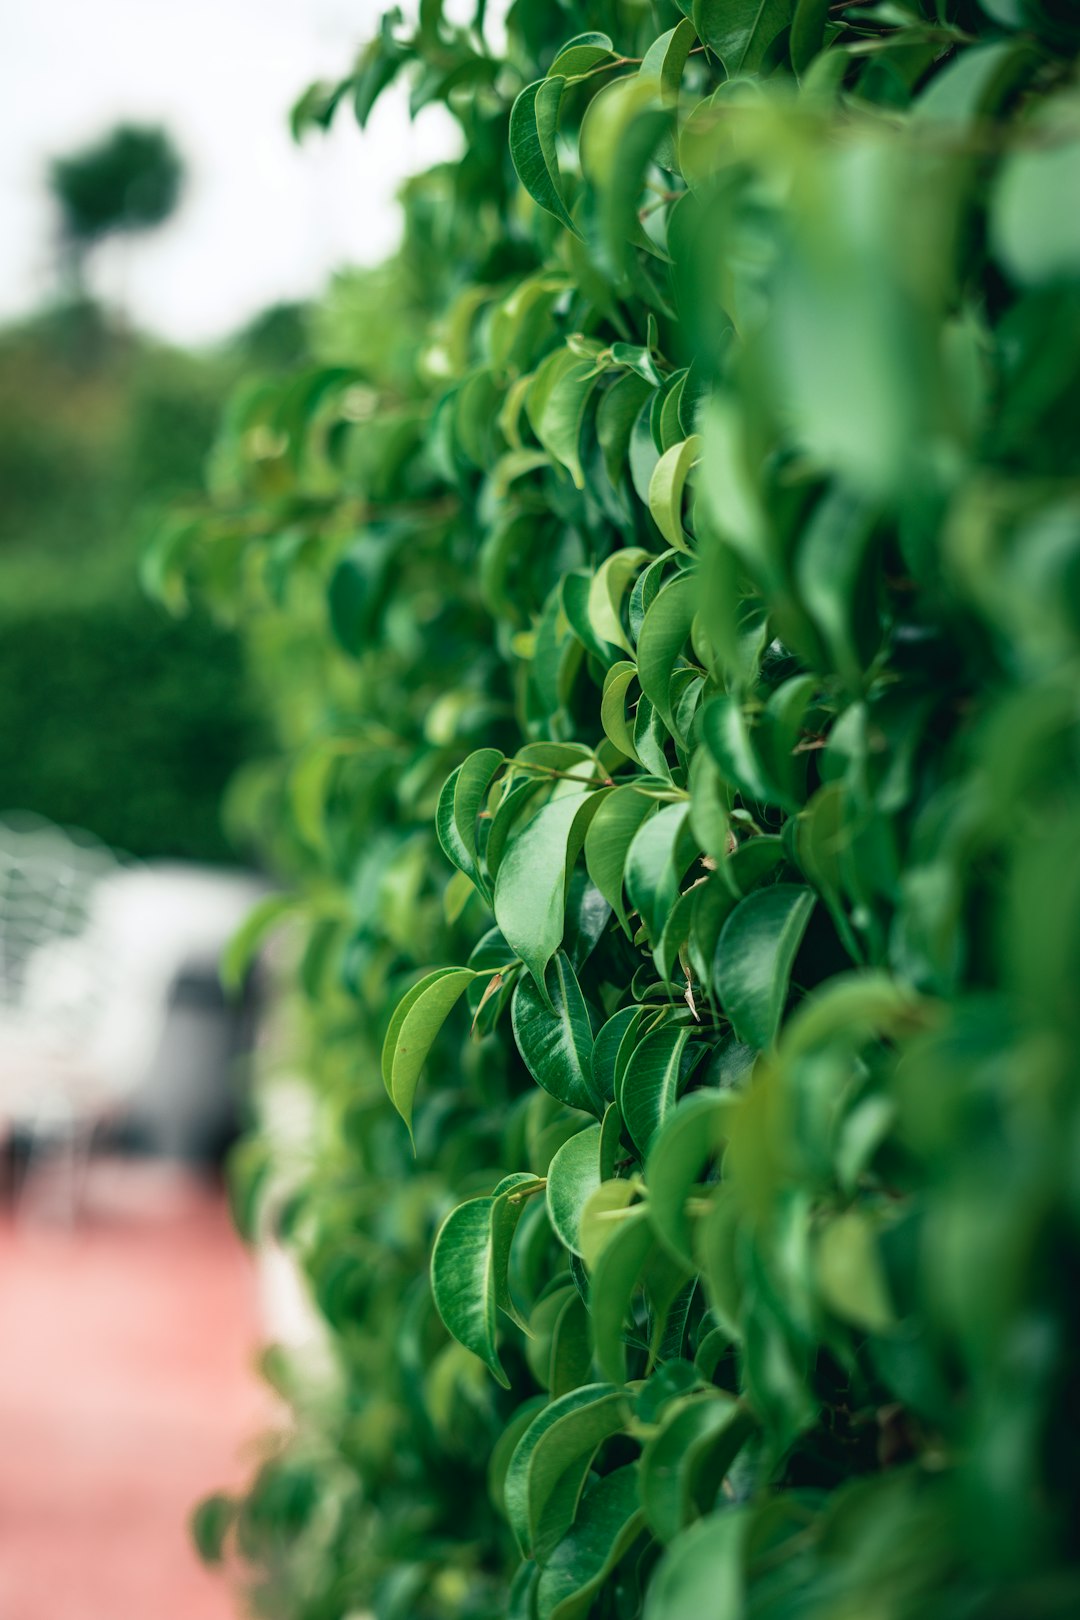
{"type": "Point", "coordinates": [55, 981]}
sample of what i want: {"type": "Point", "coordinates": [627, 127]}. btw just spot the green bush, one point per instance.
{"type": "Point", "coordinates": [114, 717]}
{"type": "Point", "coordinates": [683, 535]}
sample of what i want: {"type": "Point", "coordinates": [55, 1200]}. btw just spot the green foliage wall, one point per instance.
{"type": "Point", "coordinates": [671, 582]}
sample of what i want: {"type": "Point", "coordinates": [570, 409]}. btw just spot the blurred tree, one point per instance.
{"type": "Point", "coordinates": [128, 181]}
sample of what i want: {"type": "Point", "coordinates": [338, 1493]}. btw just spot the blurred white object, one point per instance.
{"type": "Point", "coordinates": [91, 949]}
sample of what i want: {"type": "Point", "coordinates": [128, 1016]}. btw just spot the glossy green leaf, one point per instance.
{"type": "Point", "coordinates": [692, 1135]}
{"type": "Point", "coordinates": [463, 1281]}
{"type": "Point", "coordinates": [530, 888]}
{"type": "Point", "coordinates": [684, 1464]}
{"type": "Point", "coordinates": [608, 1523]}
{"type": "Point", "coordinates": [608, 840]}
{"type": "Point", "coordinates": [554, 1034]}
{"type": "Point", "coordinates": [664, 631]}
{"type": "Point", "coordinates": [534, 121]}
{"type": "Point", "coordinates": [548, 1469]}
{"type": "Point", "coordinates": [417, 1020]}
{"type": "Point", "coordinates": [573, 1175]}
{"type": "Point", "coordinates": [666, 487]}
{"type": "Point", "coordinates": [460, 803]}
{"type": "Point", "coordinates": [740, 31]}
{"type": "Point", "coordinates": [754, 958]}
{"type": "Point", "coordinates": [654, 1079]}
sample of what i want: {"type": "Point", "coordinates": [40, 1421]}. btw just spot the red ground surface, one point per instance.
{"type": "Point", "coordinates": [126, 1392]}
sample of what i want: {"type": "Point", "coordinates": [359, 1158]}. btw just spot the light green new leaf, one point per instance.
{"type": "Point", "coordinates": [463, 1281]}
{"type": "Point", "coordinates": [530, 889]}
{"type": "Point", "coordinates": [665, 60]}
{"type": "Point", "coordinates": [460, 801]}
{"type": "Point", "coordinates": [608, 840]}
{"type": "Point", "coordinates": [534, 122]}
{"type": "Point", "coordinates": [610, 584]}
{"type": "Point", "coordinates": [609, 1521]}
{"type": "Point", "coordinates": [850, 1274]}
{"type": "Point", "coordinates": [684, 1464]}
{"type": "Point", "coordinates": [551, 1461]}
{"type": "Point", "coordinates": [666, 488]}
{"type": "Point", "coordinates": [755, 955]}
{"type": "Point", "coordinates": [740, 31]}
{"type": "Point", "coordinates": [654, 1079]}
{"type": "Point", "coordinates": [664, 631]}
{"type": "Point", "coordinates": [554, 1035]}
{"type": "Point", "coordinates": [573, 1176]}
{"type": "Point", "coordinates": [417, 1020]}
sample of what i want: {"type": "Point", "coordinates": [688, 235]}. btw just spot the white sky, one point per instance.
{"type": "Point", "coordinates": [262, 219]}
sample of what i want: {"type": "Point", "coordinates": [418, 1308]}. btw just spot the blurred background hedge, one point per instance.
{"type": "Point", "coordinates": [115, 717]}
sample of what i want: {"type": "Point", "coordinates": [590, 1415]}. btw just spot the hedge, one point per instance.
{"type": "Point", "coordinates": [113, 716]}
{"type": "Point", "coordinates": [671, 582]}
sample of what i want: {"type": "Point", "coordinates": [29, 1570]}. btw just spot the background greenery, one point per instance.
{"type": "Point", "coordinates": [667, 578]}
{"type": "Point", "coordinates": [114, 717]}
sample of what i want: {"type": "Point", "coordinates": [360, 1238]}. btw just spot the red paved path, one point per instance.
{"type": "Point", "coordinates": [126, 1391]}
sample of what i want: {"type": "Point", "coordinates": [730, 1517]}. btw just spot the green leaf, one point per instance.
{"type": "Point", "coordinates": [616, 1276]}
{"type": "Point", "coordinates": [608, 840]}
{"type": "Point", "coordinates": [654, 1079]}
{"type": "Point", "coordinates": [807, 32]}
{"type": "Point", "coordinates": [702, 1572]}
{"type": "Point", "coordinates": [617, 683]}
{"type": "Point", "coordinates": [463, 1281]}
{"type": "Point", "coordinates": [581, 53]}
{"type": "Point", "coordinates": [664, 631]}
{"type": "Point", "coordinates": [693, 1134]}
{"type": "Point", "coordinates": [684, 1464]}
{"type": "Point", "coordinates": [616, 414]}
{"type": "Point", "coordinates": [573, 1175]}
{"type": "Point", "coordinates": [740, 31]}
{"type": "Point", "coordinates": [416, 1022]}
{"type": "Point", "coordinates": [728, 738]}
{"type": "Point", "coordinates": [460, 802]}
{"type": "Point", "coordinates": [656, 864]}
{"type": "Point", "coordinates": [551, 1462]}
{"type": "Point", "coordinates": [850, 1273]}
{"type": "Point", "coordinates": [1036, 238]}
{"type": "Point", "coordinates": [754, 958]}
{"type": "Point", "coordinates": [556, 403]}
{"type": "Point", "coordinates": [666, 488]}
{"type": "Point", "coordinates": [210, 1525]}
{"type": "Point", "coordinates": [612, 1048]}
{"type": "Point", "coordinates": [610, 584]}
{"type": "Point", "coordinates": [665, 60]}
{"type": "Point", "coordinates": [530, 889]}
{"type": "Point", "coordinates": [241, 950]}
{"type": "Point", "coordinates": [534, 121]}
{"type": "Point", "coordinates": [609, 1521]}
{"type": "Point", "coordinates": [554, 1035]}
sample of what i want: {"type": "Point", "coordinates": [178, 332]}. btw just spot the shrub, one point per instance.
{"type": "Point", "coordinates": [113, 716]}
{"type": "Point", "coordinates": [684, 541]}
